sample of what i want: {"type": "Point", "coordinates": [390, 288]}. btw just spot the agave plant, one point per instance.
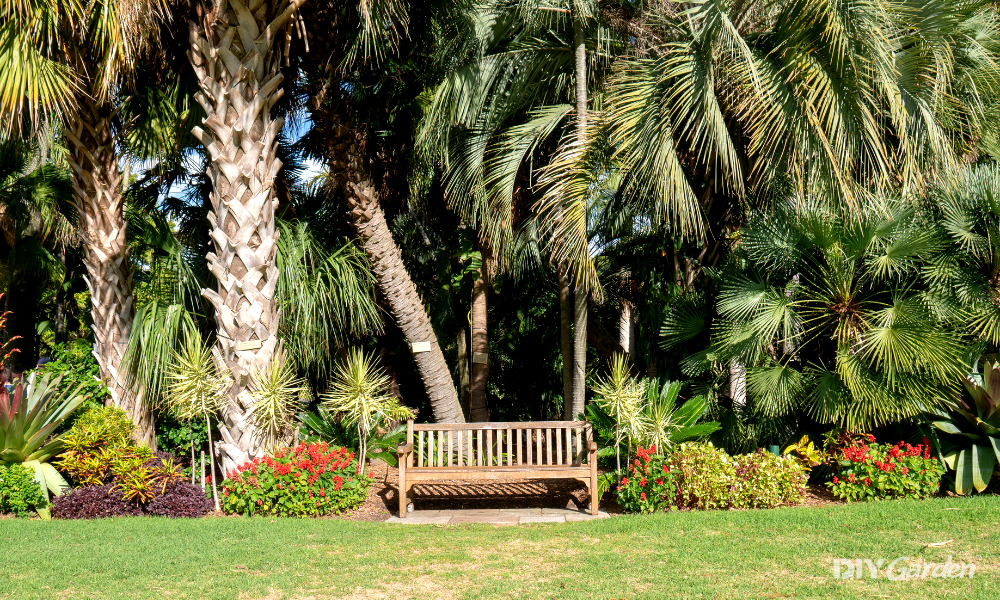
{"type": "Point", "coordinates": [359, 395]}
{"type": "Point", "coordinates": [28, 416]}
{"type": "Point", "coordinates": [968, 432]}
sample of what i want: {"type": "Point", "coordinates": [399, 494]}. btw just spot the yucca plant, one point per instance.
{"type": "Point", "coordinates": [28, 416]}
{"type": "Point", "coordinates": [359, 395]}
{"type": "Point", "coordinates": [197, 390]}
{"type": "Point", "coordinates": [968, 430]}
{"type": "Point", "coordinates": [620, 395]}
{"type": "Point", "coordinates": [277, 392]}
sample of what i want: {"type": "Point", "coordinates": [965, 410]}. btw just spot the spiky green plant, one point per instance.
{"type": "Point", "coordinates": [832, 315]}
{"type": "Point", "coordinates": [664, 423]}
{"type": "Point", "coordinates": [197, 389]}
{"type": "Point", "coordinates": [621, 396]}
{"type": "Point", "coordinates": [28, 417]}
{"type": "Point", "coordinates": [359, 395]}
{"type": "Point", "coordinates": [277, 391]}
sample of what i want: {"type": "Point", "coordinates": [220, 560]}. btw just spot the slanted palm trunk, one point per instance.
{"type": "Point", "coordinates": [393, 280]}
{"type": "Point", "coordinates": [478, 408]}
{"type": "Point", "coordinates": [239, 75]}
{"type": "Point", "coordinates": [97, 190]}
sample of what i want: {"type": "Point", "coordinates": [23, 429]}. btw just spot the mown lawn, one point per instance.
{"type": "Point", "coordinates": [783, 553]}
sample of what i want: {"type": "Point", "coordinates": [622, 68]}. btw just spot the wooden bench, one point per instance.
{"type": "Point", "coordinates": [456, 451]}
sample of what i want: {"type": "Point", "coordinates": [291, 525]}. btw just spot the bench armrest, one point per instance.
{"type": "Point", "coordinates": [591, 447]}
{"type": "Point", "coordinates": [404, 449]}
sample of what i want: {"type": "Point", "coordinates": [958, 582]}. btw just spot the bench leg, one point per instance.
{"type": "Point", "coordinates": [402, 492]}
{"type": "Point", "coordinates": [594, 496]}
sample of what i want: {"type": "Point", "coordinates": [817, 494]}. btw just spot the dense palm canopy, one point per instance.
{"type": "Point", "coordinates": [795, 201]}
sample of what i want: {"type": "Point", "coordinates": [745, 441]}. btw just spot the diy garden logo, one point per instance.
{"type": "Point", "coordinates": [900, 569]}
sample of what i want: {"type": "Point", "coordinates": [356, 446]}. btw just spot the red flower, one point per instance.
{"type": "Point", "coordinates": [904, 471]}
{"type": "Point", "coordinates": [659, 482]}
{"type": "Point", "coordinates": [868, 481]}
{"type": "Point", "coordinates": [851, 477]}
{"type": "Point", "coordinates": [835, 480]}
{"type": "Point", "coordinates": [643, 495]}
{"type": "Point", "coordinates": [642, 482]}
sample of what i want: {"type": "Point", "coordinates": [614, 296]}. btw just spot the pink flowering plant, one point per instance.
{"type": "Point", "coordinates": [305, 481]}
{"type": "Point", "coordinates": [867, 470]}
{"type": "Point", "coordinates": [649, 485]}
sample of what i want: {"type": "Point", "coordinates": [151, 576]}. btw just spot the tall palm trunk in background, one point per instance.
{"type": "Point", "coordinates": [394, 281]}
{"type": "Point", "coordinates": [478, 408]}
{"type": "Point", "coordinates": [238, 70]}
{"type": "Point", "coordinates": [566, 342]}
{"type": "Point", "coordinates": [580, 296]}
{"type": "Point", "coordinates": [97, 190]}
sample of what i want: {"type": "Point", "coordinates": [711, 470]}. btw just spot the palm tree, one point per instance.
{"type": "Point", "coordinates": [357, 162]}
{"type": "Point", "coordinates": [491, 119]}
{"type": "Point", "coordinates": [833, 316]}
{"type": "Point", "coordinates": [70, 61]}
{"type": "Point", "coordinates": [718, 106]}
{"type": "Point", "coordinates": [35, 220]}
{"type": "Point", "coordinates": [237, 57]}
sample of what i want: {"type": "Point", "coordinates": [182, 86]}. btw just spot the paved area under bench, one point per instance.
{"type": "Point", "coordinates": [496, 516]}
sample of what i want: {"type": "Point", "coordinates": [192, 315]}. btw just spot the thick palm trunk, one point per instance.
{"type": "Point", "coordinates": [478, 408]}
{"type": "Point", "coordinates": [238, 71]}
{"type": "Point", "coordinates": [404, 302]}
{"type": "Point", "coordinates": [464, 379]}
{"type": "Point", "coordinates": [97, 192]}
{"type": "Point", "coordinates": [566, 342]}
{"type": "Point", "coordinates": [580, 297]}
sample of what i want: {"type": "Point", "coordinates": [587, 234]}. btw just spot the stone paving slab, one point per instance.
{"type": "Point", "coordinates": [520, 512]}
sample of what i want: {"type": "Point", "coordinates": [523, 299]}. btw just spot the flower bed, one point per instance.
{"type": "Point", "coordinates": [870, 471]}
{"type": "Point", "coordinates": [700, 476]}
{"type": "Point", "coordinates": [308, 480]}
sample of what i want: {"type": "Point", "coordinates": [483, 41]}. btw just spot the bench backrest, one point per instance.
{"type": "Point", "coordinates": [486, 445]}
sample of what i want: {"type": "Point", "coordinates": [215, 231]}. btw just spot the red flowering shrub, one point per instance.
{"type": "Point", "coordinates": [700, 476]}
{"type": "Point", "coordinates": [870, 471]}
{"type": "Point", "coordinates": [650, 485]}
{"type": "Point", "coordinates": [303, 481]}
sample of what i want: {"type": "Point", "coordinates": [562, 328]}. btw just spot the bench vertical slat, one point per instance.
{"type": "Point", "coordinates": [559, 454]}
{"type": "Point", "coordinates": [420, 449]}
{"type": "Point", "coordinates": [527, 444]}
{"type": "Point", "coordinates": [517, 443]}
{"type": "Point", "coordinates": [538, 446]}
{"type": "Point", "coordinates": [548, 446]}
{"type": "Point", "coordinates": [578, 460]}
{"type": "Point", "coordinates": [458, 448]}
{"type": "Point", "coordinates": [510, 448]}
{"type": "Point", "coordinates": [478, 435]}
{"type": "Point", "coordinates": [440, 449]}
{"type": "Point", "coordinates": [409, 440]}
{"type": "Point", "coordinates": [449, 447]}
{"type": "Point", "coordinates": [569, 446]}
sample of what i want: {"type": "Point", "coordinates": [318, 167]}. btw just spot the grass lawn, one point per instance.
{"type": "Point", "coordinates": [783, 553]}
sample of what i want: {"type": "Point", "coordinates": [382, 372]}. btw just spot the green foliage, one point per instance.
{"type": "Point", "coordinates": [197, 386]}
{"type": "Point", "coordinates": [831, 314]}
{"type": "Point", "coordinates": [28, 419]}
{"type": "Point", "coordinates": [277, 393]}
{"type": "Point", "coordinates": [869, 471]}
{"type": "Point", "coordinates": [358, 395]}
{"type": "Point", "coordinates": [74, 362]}
{"type": "Point", "coordinates": [304, 481]}
{"type": "Point", "coordinates": [968, 430]}
{"type": "Point", "coordinates": [100, 438]}
{"type": "Point", "coordinates": [19, 493]}
{"type": "Point", "coordinates": [700, 476]}
{"type": "Point", "coordinates": [322, 426]}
